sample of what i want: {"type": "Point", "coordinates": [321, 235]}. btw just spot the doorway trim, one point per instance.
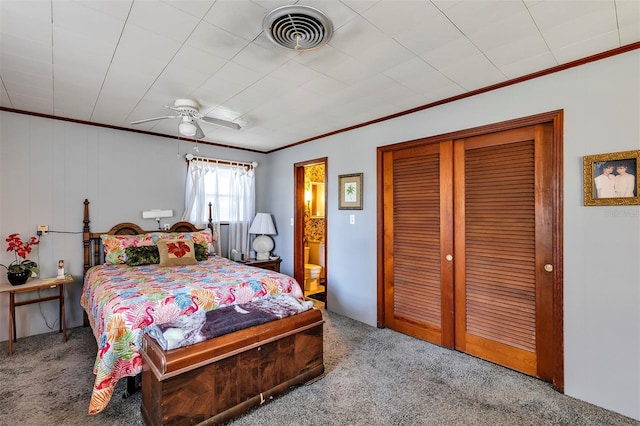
{"type": "Point", "coordinates": [554, 117]}
{"type": "Point", "coordinates": [299, 208]}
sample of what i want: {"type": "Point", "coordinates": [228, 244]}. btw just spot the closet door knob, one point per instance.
{"type": "Point", "coordinates": [449, 257]}
{"type": "Point", "coordinates": [548, 267]}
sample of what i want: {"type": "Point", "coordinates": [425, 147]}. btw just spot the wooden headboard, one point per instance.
{"type": "Point", "coordinates": [93, 254]}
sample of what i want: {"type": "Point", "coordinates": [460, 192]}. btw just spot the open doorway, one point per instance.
{"type": "Point", "coordinates": [310, 245]}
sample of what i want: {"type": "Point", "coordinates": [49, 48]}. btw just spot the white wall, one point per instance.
{"type": "Point", "coordinates": [601, 244]}
{"type": "Point", "coordinates": [47, 168]}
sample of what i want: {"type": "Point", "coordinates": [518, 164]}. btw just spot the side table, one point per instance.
{"type": "Point", "coordinates": [270, 264]}
{"type": "Point", "coordinates": [33, 285]}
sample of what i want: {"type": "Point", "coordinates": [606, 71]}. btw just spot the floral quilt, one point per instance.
{"type": "Point", "coordinates": [122, 300]}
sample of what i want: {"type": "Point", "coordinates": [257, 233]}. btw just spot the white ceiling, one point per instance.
{"type": "Point", "coordinates": [116, 61]}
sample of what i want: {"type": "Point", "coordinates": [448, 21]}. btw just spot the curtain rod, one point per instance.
{"type": "Point", "coordinates": [190, 157]}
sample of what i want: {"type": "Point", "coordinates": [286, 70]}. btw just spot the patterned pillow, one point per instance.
{"type": "Point", "coordinates": [176, 252]}
{"type": "Point", "coordinates": [202, 251]}
{"type": "Point", "coordinates": [144, 255]}
{"type": "Point", "coordinates": [148, 255]}
{"type": "Point", "coordinates": [199, 237]}
{"type": "Point", "coordinates": [115, 245]}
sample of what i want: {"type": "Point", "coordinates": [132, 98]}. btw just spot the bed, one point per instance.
{"type": "Point", "coordinates": [122, 298]}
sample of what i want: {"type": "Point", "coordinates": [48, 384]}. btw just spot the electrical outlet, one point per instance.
{"type": "Point", "coordinates": [43, 229]}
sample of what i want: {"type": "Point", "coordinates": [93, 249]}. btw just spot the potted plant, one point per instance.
{"type": "Point", "coordinates": [19, 271]}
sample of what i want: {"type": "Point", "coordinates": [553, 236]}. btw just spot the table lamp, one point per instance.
{"type": "Point", "coordinates": [263, 226]}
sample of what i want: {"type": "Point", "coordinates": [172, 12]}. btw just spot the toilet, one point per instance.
{"type": "Point", "coordinates": [314, 252]}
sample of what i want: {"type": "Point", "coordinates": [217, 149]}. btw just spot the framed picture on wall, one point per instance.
{"type": "Point", "coordinates": [611, 179]}
{"type": "Point", "coordinates": [350, 191]}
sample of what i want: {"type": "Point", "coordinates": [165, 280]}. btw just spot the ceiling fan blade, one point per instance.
{"type": "Point", "coordinates": [154, 119]}
{"type": "Point", "coordinates": [219, 122]}
{"type": "Point", "coordinates": [199, 132]}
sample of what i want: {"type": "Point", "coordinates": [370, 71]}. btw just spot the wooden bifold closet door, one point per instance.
{"type": "Point", "coordinates": [418, 219]}
{"type": "Point", "coordinates": [468, 245]}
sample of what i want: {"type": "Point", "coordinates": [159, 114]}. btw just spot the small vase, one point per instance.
{"type": "Point", "coordinates": [17, 278]}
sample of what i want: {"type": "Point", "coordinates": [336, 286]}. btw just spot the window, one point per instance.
{"type": "Point", "coordinates": [231, 190]}
{"type": "Point", "coordinates": [217, 186]}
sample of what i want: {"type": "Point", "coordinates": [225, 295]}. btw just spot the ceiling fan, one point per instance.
{"type": "Point", "coordinates": [188, 110]}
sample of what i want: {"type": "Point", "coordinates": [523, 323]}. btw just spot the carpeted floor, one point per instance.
{"type": "Point", "coordinates": [373, 377]}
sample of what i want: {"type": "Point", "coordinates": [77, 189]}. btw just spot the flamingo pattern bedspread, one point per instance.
{"type": "Point", "coordinates": [121, 301]}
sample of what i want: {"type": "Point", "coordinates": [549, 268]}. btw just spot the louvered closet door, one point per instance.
{"type": "Point", "coordinates": [417, 215]}
{"type": "Point", "coordinates": [503, 240]}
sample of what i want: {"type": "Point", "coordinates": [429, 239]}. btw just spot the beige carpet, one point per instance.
{"type": "Point", "coordinates": [374, 377]}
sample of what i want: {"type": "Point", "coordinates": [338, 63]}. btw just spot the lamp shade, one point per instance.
{"type": "Point", "coordinates": [187, 128]}
{"type": "Point", "coordinates": [262, 224]}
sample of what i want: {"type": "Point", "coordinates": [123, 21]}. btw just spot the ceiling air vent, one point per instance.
{"type": "Point", "coordinates": [298, 27]}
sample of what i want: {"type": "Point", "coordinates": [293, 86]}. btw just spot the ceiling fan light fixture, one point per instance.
{"type": "Point", "coordinates": [187, 127]}
{"type": "Point", "coordinates": [188, 111]}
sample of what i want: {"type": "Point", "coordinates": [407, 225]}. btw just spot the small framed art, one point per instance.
{"type": "Point", "coordinates": [350, 191]}
{"type": "Point", "coordinates": [611, 179]}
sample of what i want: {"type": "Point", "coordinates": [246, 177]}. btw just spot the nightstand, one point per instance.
{"type": "Point", "coordinates": [32, 285]}
{"type": "Point", "coordinates": [272, 265]}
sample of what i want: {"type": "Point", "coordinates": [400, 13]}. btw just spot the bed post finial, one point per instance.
{"type": "Point", "coordinates": [86, 236]}
{"type": "Point", "coordinates": [213, 231]}
{"type": "Point", "coordinates": [86, 216]}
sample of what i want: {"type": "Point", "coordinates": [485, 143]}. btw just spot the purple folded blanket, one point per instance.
{"type": "Point", "coordinates": [201, 326]}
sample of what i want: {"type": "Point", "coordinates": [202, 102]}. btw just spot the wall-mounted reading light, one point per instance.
{"type": "Point", "coordinates": [157, 214]}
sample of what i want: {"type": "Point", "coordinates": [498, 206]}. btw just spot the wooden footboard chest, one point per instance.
{"type": "Point", "coordinates": [219, 379]}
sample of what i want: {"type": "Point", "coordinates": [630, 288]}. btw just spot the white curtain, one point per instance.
{"type": "Point", "coordinates": [242, 208]}
{"type": "Point", "coordinates": [205, 184]}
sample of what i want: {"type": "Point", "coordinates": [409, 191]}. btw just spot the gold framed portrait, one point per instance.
{"type": "Point", "coordinates": [612, 179]}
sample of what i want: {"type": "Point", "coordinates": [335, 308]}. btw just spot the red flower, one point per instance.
{"type": "Point", "coordinates": [21, 249]}
{"type": "Point", "coordinates": [178, 249]}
